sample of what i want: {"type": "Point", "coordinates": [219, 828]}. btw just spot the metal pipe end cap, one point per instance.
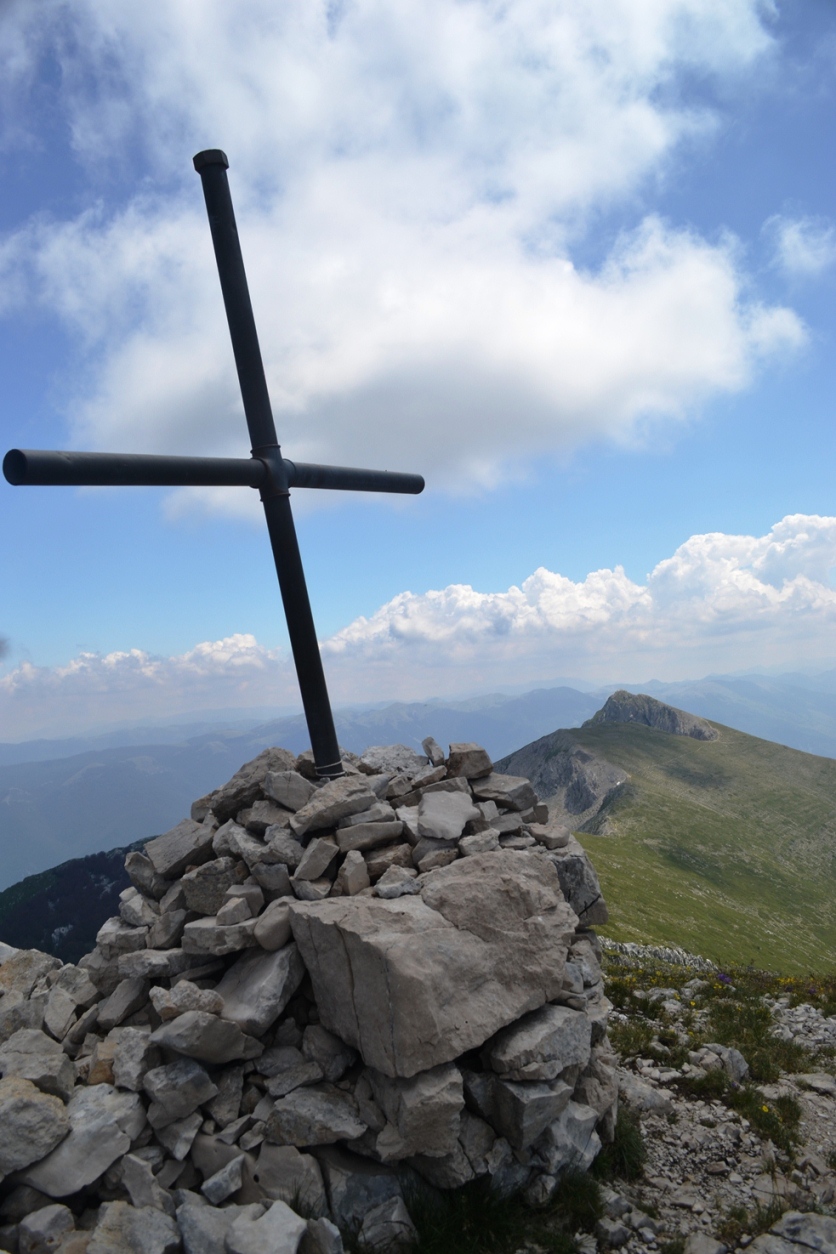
{"type": "Point", "coordinates": [210, 156]}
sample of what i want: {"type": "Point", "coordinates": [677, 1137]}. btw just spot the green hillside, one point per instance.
{"type": "Point", "coordinates": [724, 847]}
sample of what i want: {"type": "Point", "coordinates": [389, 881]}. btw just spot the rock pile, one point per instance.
{"type": "Point", "coordinates": [317, 997]}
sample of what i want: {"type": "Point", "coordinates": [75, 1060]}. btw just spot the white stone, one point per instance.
{"type": "Point", "coordinates": [32, 1055]}
{"type": "Point", "coordinates": [32, 1123]}
{"type": "Point", "coordinates": [422, 1113]}
{"type": "Point", "coordinates": [103, 1122]}
{"type": "Point", "coordinates": [278, 1231]}
{"type": "Point", "coordinates": [205, 1037]}
{"type": "Point", "coordinates": [315, 1116]}
{"type": "Point", "coordinates": [317, 858]}
{"type": "Point", "coordinates": [256, 988]}
{"type": "Point", "coordinates": [289, 788]}
{"type": "Point", "coordinates": [353, 877]}
{"type": "Point", "coordinates": [541, 1045]}
{"type": "Point", "coordinates": [443, 815]}
{"type": "Point", "coordinates": [272, 928]}
{"type": "Point", "coordinates": [333, 801]}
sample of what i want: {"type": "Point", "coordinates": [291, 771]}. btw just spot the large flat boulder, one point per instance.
{"type": "Point", "coordinates": [413, 982]}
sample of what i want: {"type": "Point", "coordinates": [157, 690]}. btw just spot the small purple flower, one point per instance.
{"type": "Point", "coordinates": [724, 979]}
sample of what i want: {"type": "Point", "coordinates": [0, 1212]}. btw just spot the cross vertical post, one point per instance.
{"type": "Point", "coordinates": [266, 469]}
{"type": "Point", "coordinates": [212, 166]}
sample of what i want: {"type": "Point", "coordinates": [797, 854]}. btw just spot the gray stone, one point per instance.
{"type": "Point", "coordinates": [282, 847]}
{"type": "Point", "coordinates": [391, 760]}
{"type": "Point", "coordinates": [612, 1232]}
{"type": "Point", "coordinates": [479, 842]}
{"type": "Point", "coordinates": [33, 1055]}
{"type": "Point", "coordinates": [333, 801]}
{"type": "Point", "coordinates": [819, 1081]}
{"type": "Point", "coordinates": [734, 1064]}
{"type": "Point", "coordinates": [167, 930]}
{"type": "Point", "coordinates": [380, 812]}
{"type": "Point", "coordinates": [469, 760]}
{"type": "Point", "coordinates": [256, 988]}
{"type": "Point", "coordinates": [438, 974]}
{"type": "Point", "coordinates": [331, 1054]}
{"type": "Point", "coordinates": [23, 968]}
{"type": "Point", "coordinates": [397, 881]}
{"type": "Point", "coordinates": [234, 910]}
{"type": "Point", "coordinates": [540, 1045]}
{"type": "Point", "coordinates": [245, 786]}
{"type": "Point", "coordinates": [289, 788]}
{"type": "Point", "coordinates": [102, 1122]}
{"type": "Point", "coordinates": [322, 1237]}
{"type": "Point", "coordinates": [187, 844]}
{"type": "Point", "coordinates": [580, 883]}
{"type": "Point", "coordinates": [177, 1089]}
{"type": "Point", "coordinates": [378, 861]}
{"type": "Point", "coordinates": [197, 1034]}
{"type": "Point", "coordinates": [204, 936]}
{"type": "Point", "coordinates": [312, 890]}
{"type": "Point", "coordinates": [42, 1231]}
{"type": "Point", "coordinates": [154, 964]}
{"type": "Point", "coordinates": [124, 1229]}
{"type": "Point", "coordinates": [443, 815]}
{"type": "Point", "coordinates": [204, 1228]}
{"type": "Point", "coordinates": [274, 878]}
{"type": "Point", "coordinates": [143, 876]}
{"type": "Point", "coordinates": [292, 1071]}
{"type": "Point", "coordinates": [315, 1116]}
{"type": "Point", "coordinates": [317, 858]}
{"type": "Point", "coordinates": [77, 983]}
{"type": "Point", "coordinates": [114, 937]}
{"type": "Point", "coordinates": [17, 1011]}
{"type": "Point", "coordinates": [703, 1243]}
{"type": "Point", "coordinates": [278, 1231]}
{"type": "Point", "coordinates": [136, 910]}
{"type": "Point", "coordinates": [512, 791]}
{"type": "Point", "coordinates": [571, 1142]}
{"type": "Point", "coordinates": [285, 1175]}
{"type": "Point", "coordinates": [352, 876]}
{"type": "Point", "coordinates": [433, 750]}
{"type": "Point", "coordinates": [387, 1227]}
{"type": "Point", "coordinates": [369, 835]}
{"type": "Point", "coordinates": [59, 1013]}
{"type": "Point", "coordinates": [128, 996]}
{"type": "Point", "coordinates": [272, 928]}
{"type": "Point", "coordinates": [422, 1113]}
{"type": "Point", "coordinates": [355, 1185]}
{"type": "Point", "coordinates": [809, 1231]}
{"type": "Point", "coordinates": [33, 1123]}
{"type": "Point", "coordinates": [143, 1188]}
{"type": "Point", "coordinates": [641, 1095]}
{"type": "Point", "coordinates": [523, 1110]}
{"type": "Point", "coordinates": [183, 996]}
{"type": "Point", "coordinates": [225, 1106]}
{"type": "Point", "coordinates": [204, 887]}
{"type": "Point", "coordinates": [224, 1182]}
{"type": "Point", "coordinates": [261, 815]}
{"type": "Point", "coordinates": [178, 1137]}
{"type": "Point", "coordinates": [235, 839]}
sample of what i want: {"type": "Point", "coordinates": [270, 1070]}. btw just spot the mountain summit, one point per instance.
{"type": "Point", "coordinates": [637, 707]}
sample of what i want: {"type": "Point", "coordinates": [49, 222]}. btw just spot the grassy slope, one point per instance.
{"type": "Point", "coordinates": [726, 848]}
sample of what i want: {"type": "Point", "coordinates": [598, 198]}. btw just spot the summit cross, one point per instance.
{"type": "Point", "coordinates": [265, 469]}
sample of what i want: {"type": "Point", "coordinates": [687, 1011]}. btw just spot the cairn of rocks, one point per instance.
{"type": "Point", "coordinates": [318, 999]}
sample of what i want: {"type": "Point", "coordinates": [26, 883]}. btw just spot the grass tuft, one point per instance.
{"type": "Point", "coordinates": [624, 1158]}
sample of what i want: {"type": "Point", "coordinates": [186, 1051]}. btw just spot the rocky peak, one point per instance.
{"type": "Point", "coordinates": [631, 707]}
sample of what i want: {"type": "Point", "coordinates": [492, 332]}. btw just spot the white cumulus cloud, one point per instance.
{"type": "Point", "coordinates": [414, 184]}
{"type": "Point", "coordinates": [719, 603]}
{"type": "Point", "coordinates": [803, 247]}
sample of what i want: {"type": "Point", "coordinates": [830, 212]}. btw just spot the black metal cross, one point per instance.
{"type": "Point", "coordinates": [265, 469]}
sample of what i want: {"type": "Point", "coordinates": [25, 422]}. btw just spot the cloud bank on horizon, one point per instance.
{"type": "Point", "coordinates": [417, 188]}
{"type": "Point", "coordinates": [719, 603]}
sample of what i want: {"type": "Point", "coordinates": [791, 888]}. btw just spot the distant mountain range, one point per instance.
{"type": "Point", "coordinates": [68, 798]}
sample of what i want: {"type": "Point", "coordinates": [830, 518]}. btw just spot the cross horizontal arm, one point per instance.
{"type": "Point", "coordinates": [37, 466]}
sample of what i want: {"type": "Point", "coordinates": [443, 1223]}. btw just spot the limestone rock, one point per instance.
{"type": "Point", "coordinates": [183, 996]}
{"type": "Point", "coordinates": [422, 1112]}
{"type": "Point", "coordinates": [244, 787]}
{"type": "Point", "coordinates": [125, 1229]}
{"type": "Point", "coordinates": [197, 1034]}
{"type": "Point", "coordinates": [289, 788]}
{"type": "Point", "coordinates": [322, 1237]}
{"type": "Point", "coordinates": [272, 929]}
{"type": "Point", "coordinates": [206, 936]}
{"type": "Point", "coordinates": [540, 1045]}
{"type": "Point", "coordinates": [355, 1185]}
{"type": "Point", "coordinates": [512, 791]}
{"type": "Point", "coordinates": [571, 1141]}
{"type": "Point", "coordinates": [286, 1175]}
{"type": "Point", "coordinates": [33, 1055]}
{"type": "Point", "coordinates": [256, 989]}
{"type": "Point", "coordinates": [352, 876]}
{"type": "Point", "coordinates": [187, 844]}
{"type": "Point", "coordinates": [387, 1227]}
{"type": "Point", "coordinates": [369, 835]}
{"type": "Point", "coordinates": [391, 760]}
{"type": "Point", "coordinates": [579, 883]}
{"type": "Point", "coordinates": [143, 1188]}
{"type": "Point", "coordinates": [523, 1110]}
{"type": "Point", "coordinates": [315, 1116]}
{"type": "Point", "coordinates": [331, 1055]}
{"type": "Point", "coordinates": [279, 1231]}
{"type": "Point", "coordinates": [469, 760]}
{"type": "Point", "coordinates": [333, 801]}
{"type": "Point", "coordinates": [103, 1122]}
{"type": "Point", "coordinates": [316, 859]}
{"type": "Point", "coordinates": [443, 815]}
{"type": "Point", "coordinates": [225, 1181]}
{"type": "Point", "coordinates": [204, 1228]}
{"type": "Point", "coordinates": [128, 996]}
{"type": "Point", "coordinates": [33, 1123]}
{"type": "Point", "coordinates": [177, 1089]}
{"type": "Point", "coordinates": [42, 1230]}
{"type": "Point", "coordinates": [204, 887]}
{"type": "Point", "coordinates": [415, 982]}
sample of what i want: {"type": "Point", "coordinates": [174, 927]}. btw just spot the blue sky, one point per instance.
{"type": "Point", "coordinates": [575, 264]}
